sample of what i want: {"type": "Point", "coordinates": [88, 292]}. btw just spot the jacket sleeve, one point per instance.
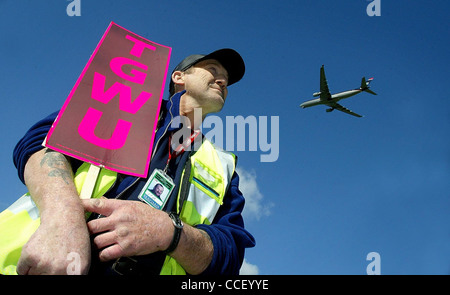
{"type": "Point", "coordinates": [228, 234]}
{"type": "Point", "coordinates": [31, 143]}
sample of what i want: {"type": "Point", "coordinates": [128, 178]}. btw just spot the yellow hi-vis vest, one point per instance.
{"type": "Point", "coordinates": [211, 173]}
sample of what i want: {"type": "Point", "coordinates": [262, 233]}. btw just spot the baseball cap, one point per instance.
{"type": "Point", "coordinates": [228, 58]}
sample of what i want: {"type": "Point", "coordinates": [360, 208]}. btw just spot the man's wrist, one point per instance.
{"type": "Point", "coordinates": [178, 228]}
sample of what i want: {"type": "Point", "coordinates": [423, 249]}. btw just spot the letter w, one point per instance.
{"type": "Point", "coordinates": [126, 105]}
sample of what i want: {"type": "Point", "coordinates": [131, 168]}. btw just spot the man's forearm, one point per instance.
{"type": "Point", "coordinates": [62, 230]}
{"type": "Point", "coordinates": [49, 178]}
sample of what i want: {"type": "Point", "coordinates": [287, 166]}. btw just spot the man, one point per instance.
{"type": "Point", "coordinates": [129, 236]}
{"type": "Point", "coordinates": [158, 190]}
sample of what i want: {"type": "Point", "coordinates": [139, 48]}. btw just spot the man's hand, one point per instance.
{"type": "Point", "coordinates": [47, 251]}
{"type": "Point", "coordinates": [132, 228]}
{"type": "Point", "coordinates": [129, 228]}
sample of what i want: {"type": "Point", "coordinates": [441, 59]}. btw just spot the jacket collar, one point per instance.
{"type": "Point", "coordinates": [170, 110]}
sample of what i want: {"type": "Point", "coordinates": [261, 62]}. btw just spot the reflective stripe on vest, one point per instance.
{"type": "Point", "coordinates": [211, 172]}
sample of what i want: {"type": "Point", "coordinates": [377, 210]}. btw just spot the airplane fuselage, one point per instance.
{"type": "Point", "coordinates": [334, 98]}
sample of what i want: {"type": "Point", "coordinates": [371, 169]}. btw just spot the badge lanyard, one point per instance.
{"type": "Point", "coordinates": [181, 148]}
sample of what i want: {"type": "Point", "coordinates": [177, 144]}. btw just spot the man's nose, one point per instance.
{"type": "Point", "coordinates": [222, 81]}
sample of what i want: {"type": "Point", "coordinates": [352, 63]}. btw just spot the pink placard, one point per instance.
{"type": "Point", "coordinates": [109, 118]}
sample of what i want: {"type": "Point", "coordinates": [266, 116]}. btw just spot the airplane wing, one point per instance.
{"type": "Point", "coordinates": [338, 107]}
{"type": "Point", "coordinates": [324, 91]}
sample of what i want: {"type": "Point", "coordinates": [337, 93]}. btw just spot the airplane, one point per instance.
{"type": "Point", "coordinates": [331, 100]}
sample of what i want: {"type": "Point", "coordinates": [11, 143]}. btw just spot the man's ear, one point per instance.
{"type": "Point", "coordinates": [178, 78]}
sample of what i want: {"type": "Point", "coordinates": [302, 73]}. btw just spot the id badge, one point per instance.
{"type": "Point", "coordinates": [157, 189]}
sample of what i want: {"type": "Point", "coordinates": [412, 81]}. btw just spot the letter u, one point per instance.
{"type": "Point", "coordinates": [89, 123]}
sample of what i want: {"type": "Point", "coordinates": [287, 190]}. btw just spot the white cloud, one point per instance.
{"type": "Point", "coordinates": [255, 207]}
{"type": "Point", "coordinates": [248, 269]}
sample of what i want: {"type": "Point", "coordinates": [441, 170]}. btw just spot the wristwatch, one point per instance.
{"type": "Point", "coordinates": [178, 224]}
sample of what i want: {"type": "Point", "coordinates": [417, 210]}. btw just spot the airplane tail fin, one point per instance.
{"type": "Point", "coordinates": [365, 85]}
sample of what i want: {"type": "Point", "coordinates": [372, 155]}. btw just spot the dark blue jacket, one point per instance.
{"type": "Point", "coordinates": [227, 232]}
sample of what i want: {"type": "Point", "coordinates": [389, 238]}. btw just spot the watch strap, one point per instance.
{"type": "Point", "coordinates": [178, 227]}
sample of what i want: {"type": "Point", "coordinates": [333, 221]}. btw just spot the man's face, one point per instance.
{"type": "Point", "coordinates": [159, 190]}
{"type": "Point", "coordinates": [207, 81]}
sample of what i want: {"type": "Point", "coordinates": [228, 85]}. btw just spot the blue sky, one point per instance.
{"type": "Point", "coordinates": [342, 187]}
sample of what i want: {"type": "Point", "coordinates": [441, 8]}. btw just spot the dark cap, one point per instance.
{"type": "Point", "coordinates": [228, 58]}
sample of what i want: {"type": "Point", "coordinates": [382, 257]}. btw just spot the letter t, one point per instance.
{"type": "Point", "coordinates": [139, 46]}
